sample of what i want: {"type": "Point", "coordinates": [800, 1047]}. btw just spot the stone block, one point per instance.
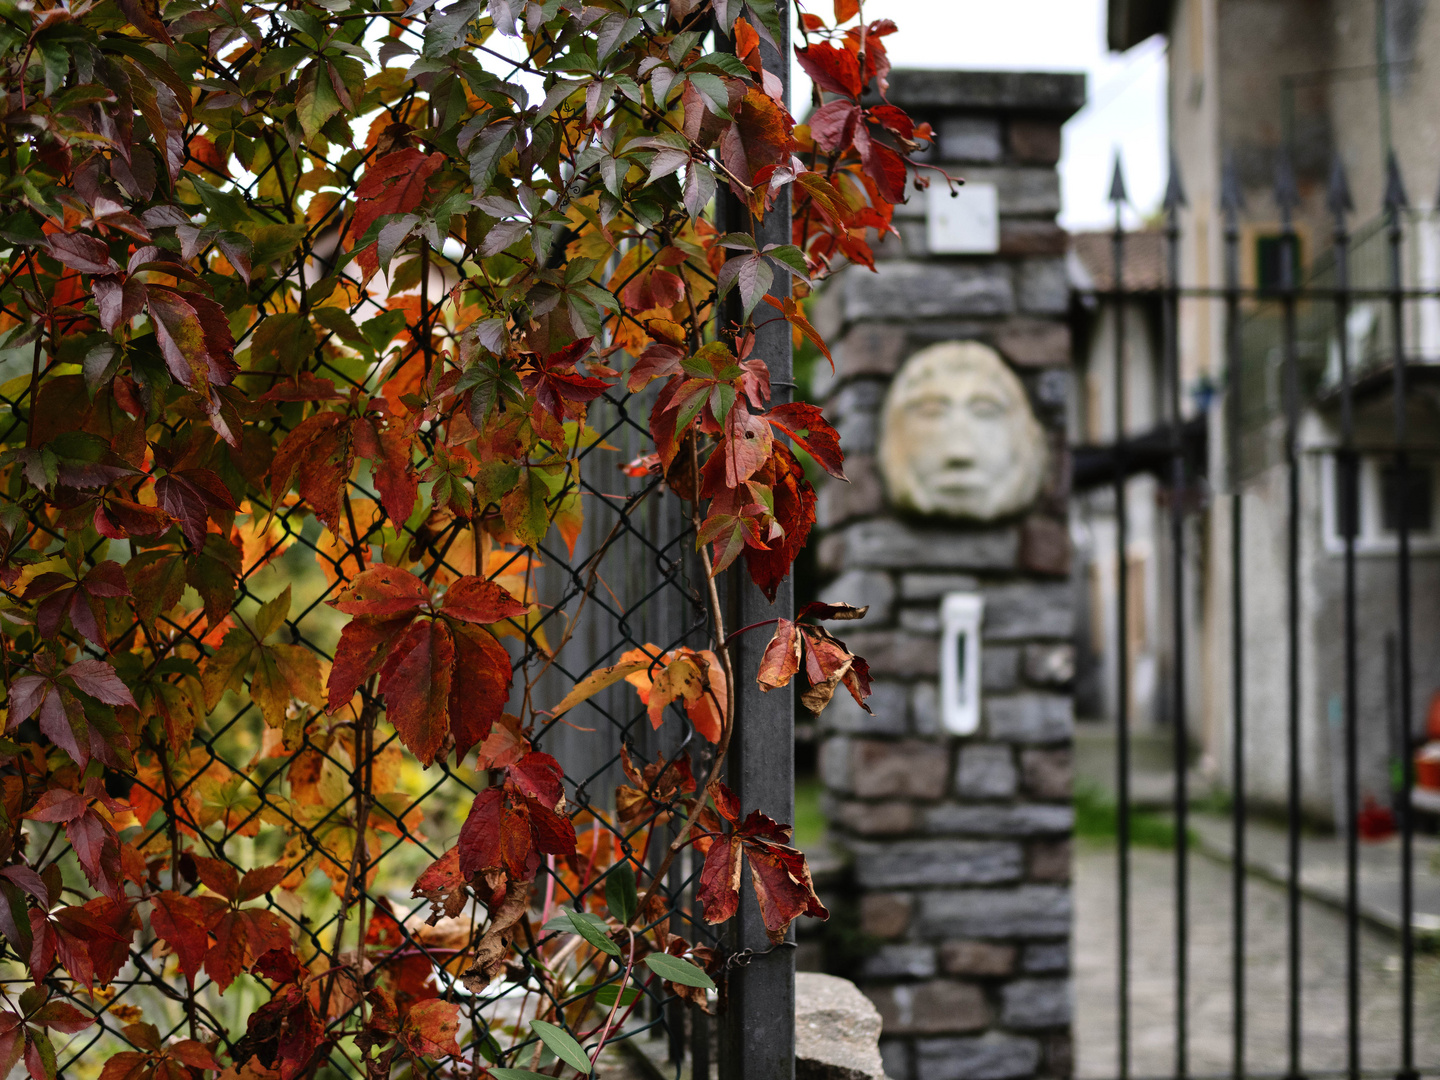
{"type": "Point", "coordinates": [1033, 343]}
{"type": "Point", "coordinates": [1045, 546]}
{"type": "Point", "coordinates": [970, 138]}
{"type": "Point", "coordinates": [837, 1031]}
{"type": "Point", "coordinates": [985, 772]}
{"type": "Point", "coordinates": [900, 962]}
{"type": "Point", "coordinates": [926, 290]}
{"type": "Point", "coordinates": [925, 708]}
{"type": "Point", "coordinates": [1020, 237]}
{"type": "Point", "coordinates": [1049, 774]}
{"type": "Point", "coordinates": [895, 653]}
{"type": "Point", "coordinates": [1046, 957]}
{"type": "Point", "coordinates": [1030, 718]}
{"type": "Point", "coordinates": [830, 555]}
{"type": "Point", "coordinates": [937, 1007]}
{"type": "Point", "coordinates": [886, 914]}
{"type": "Point", "coordinates": [1034, 819]}
{"type": "Point", "coordinates": [863, 496]}
{"type": "Point", "coordinates": [984, 958]}
{"type": "Point", "coordinates": [920, 621]}
{"type": "Point", "coordinates": [1051, 390]}
{"type": "Point", "coordinates": [906, 768]}
{"type": "Point", "coordinates": [1049, 861]}
{"type": "Point", "coordinates": [895, 1053]}
{"type": "Point", "coordinates": [1035, 1003]}
{"type": "Point", "coordinates": [869, 349]}
{"type": "Point", "coordinates": [934, 862]}
{"type": "Point", "coordinates": [875, 819]}
{"type": "Point", "coordinates": [1043, 286]}
{"type": "Point", "coordinates": [1022, 191]}
{"type": "Point", "coordinates": [1035, 142]}
{"type": "Point", "coordinates": [1054, 95]}
{"type": "Point", "coordinates": [933, 586]}
{"type": "Point", "coordinates": [854, 412]}
{"type": "Point", "coordinates": [1027, 911]}
{"type": "Point", "coordinates": [863, 588]}
{"type": "Point", "coordinates": [1029, 610]}
{"type": "Point", "coordinates": [836, 763]}
{"type": "Point", "coordinates": [992, 1056]}
{"type": "Point", "coordinates": [886, 716]}
{"type": "Point", "coordinates": [888, 544]}
{"type": "Point", "coordinates": [1050, 665]}
{"type": "Point", "coordinates": [999, 669]}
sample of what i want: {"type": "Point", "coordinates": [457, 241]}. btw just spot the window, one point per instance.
{"type": "Point", "coordinates": [1269, 261]}
{"type": "Point", "coordinates": [1371, 513]}
{"type": "Point", "coordinates": [1419, 504]}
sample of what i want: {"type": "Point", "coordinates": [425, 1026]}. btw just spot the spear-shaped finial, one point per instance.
{"type": "Point", "coordinates": [1338, 196]}
{"type": "Point", "coordinates": [1395, 198]}
{"type": "Point", "coordinates": [1174, 187]}
{"type": "Point", "coordinates": [1117, 184]}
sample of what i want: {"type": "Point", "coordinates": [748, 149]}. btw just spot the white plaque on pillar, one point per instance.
{"type": "Point", "coordinates": [960, 615]}
{"type": "Point", "coordinates": [963, 220]}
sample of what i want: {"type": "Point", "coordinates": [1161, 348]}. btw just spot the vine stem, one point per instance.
{"type": "Point", "coordinates": [723, 648]}
{"type": "Point", "coordinates": [619, 996]}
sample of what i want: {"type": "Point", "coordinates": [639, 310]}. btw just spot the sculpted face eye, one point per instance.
{"type": "Point", "coordinates": [986, 407]}
{"type": "Point", "coordinates": [930, 407]}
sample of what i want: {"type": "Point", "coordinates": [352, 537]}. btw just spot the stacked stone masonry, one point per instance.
{"type": "Point", "coordinates": [959, 848]}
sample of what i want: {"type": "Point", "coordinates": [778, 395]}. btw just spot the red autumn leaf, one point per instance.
{"type": "Point", "coordinates": [62, 716]}
{"type": "Point", "coordinates": [182, 923]}
{"type": "Point", "coordinates": [746, 445]}
{"type": "Point", "coordinates": [557, 386]}
{"type": "Point", "coordinates": [316, 457]}
{"type": "Point", "coordinates": [388, 450]}
{"type": "Point", "coordinates": [241, 937]}
{"type": "Point", "coordinates": [383, 592]}
{"type": "Point", "coordinates": [795, 316]}
{"type": "Point", "coordinates": [189, 495]}
{"type": "Point", "coordinates": [508, 830]}
{"type": "Point", "coordinates": [832, 69]}
{"type": "Point", "coordinates": [430, 1029]}
{"type": "Point", "coordinates": [887, 169]}
{"type": "Point", "coordinates": [793, 502]}
{"type": "Point", "coordinates": [393, 184]}
{"type": "Point", "coordinates": [833, 126]}
{"type": "Point", "coordinates": [476, 600]}
{"type": "Point", "coordinates": [194, 338]}
{"type": "Point", "coordinates": [778, 872]}
{"type": "Point", "coordinates": [820, 441]}
{"type": "Point", "coordinates": [81, 252]}
{"type": "Point", "coordinates": [443, 885]}
{"type": "Point", "coordinates": [845, 10]}
{"type": "Point", "coordinates": [828, 664]}
{"type": "Point", "coordinates": [283, 1035]}
{"type": "Point", "coordinates": [539, 775]}
{"type": "Point", "coordinates": [415, 681]}
{"type": "Point", "coordinates": [759, 136]}
{"type": "Point", "coordinates": [307, 386]}
{"type": "Point", "coordinates": [479, 686]}
{"type": "Point", "coordinates": [82, 600]}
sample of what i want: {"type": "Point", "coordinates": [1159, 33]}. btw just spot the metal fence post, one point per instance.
{"type": "Point", "coordinates": [757, 1027]}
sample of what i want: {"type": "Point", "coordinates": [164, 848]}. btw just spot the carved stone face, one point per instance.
{"type": "Point", "coordinates": [958, 438]}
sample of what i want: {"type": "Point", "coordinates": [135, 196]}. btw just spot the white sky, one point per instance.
{"type": "Point", "coordinates": [1126, 92]}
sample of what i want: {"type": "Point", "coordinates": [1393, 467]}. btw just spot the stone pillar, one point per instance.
{"type": "Point", "coordinates": [959, 846]}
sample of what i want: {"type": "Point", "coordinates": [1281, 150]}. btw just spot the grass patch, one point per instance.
{"type": "Point", "coordinates": [1098, 818]}
{"type": "Point", "coordinates": [809, 821]}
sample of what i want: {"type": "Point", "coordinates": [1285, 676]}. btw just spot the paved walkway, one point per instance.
{"type": "Point", "coordinates": [1153, 965]}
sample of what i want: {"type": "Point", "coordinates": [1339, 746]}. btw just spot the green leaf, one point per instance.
{"type": "Point", "coordinates": [620, 893]}
{"type": "Point", "coordinates": [592, 928]}
{"type": "Point", "coordinates": [678, 971]}
{"type": "Point", "coordinates": [565, 1047]}
{"type": "Point", "coordinates": [606, 995]}
{"type": "Point", "coordinates": [517, 1074]}
{"type": "Point", "coordinates": [315, 100]}
{"type": "Point", "coordinates": [272, 614]}
{"type": "Point", "coordinates": [278, 60]}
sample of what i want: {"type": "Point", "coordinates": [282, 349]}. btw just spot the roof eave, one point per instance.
{"type": "Point", "coordinates": [1130, 22]}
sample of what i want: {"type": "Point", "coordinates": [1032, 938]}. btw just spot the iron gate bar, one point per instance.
{"type": "Point", "coordinates": [1287, 198]}
{"type": "Point", "coordinates": [1174, 200]}
{"type": "Point", "coordinates": [757, 1033]}
{"type": "Point", "coordinates": [1340, 205]}
{"type": "Point", "coordinates": [1122, 675]}
{"type": "Point", "coordinates": [1395, 202]}
{"type": "Point", "coordinates": [1231, 201]}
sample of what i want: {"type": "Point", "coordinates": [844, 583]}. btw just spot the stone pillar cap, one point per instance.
{"type": "Point", "coordinates": [1053, 94]}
